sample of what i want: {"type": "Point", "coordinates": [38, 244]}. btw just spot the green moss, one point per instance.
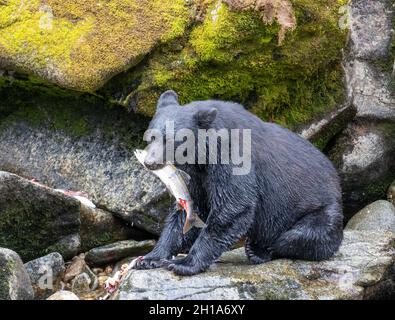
{"type": "Point", "coordinates": [28, 227]}
{"type": "Point", "coordinates": [378, 190]}
{"type": "Point", "coordinates": [5, 273]}
{"type": "Point", "coordinates": [81, 44]}
{"type": "Point", "coordinates": [236, 56]}
{"type": "Point", "coordinates": [90, 241]}
{"type": "Point", "coordinates": [76, 114]}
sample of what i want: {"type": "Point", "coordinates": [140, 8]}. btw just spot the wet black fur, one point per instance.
{"type": "Point", "coordinates": [289, 206]}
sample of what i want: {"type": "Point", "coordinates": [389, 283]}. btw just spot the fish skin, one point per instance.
{"type": "Point", "coordinates": [174, 179]}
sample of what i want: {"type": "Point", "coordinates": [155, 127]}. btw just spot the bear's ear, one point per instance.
{"type": "Point", "coordinates": [167, 98]}
{"type": "Point", "coordinates": [204, 118]}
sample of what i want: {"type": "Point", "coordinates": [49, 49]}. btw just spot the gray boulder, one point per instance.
{"type": "Point", "coordinates": [364, 156]}
{"type": "Point", "coordinates": [368, 60]}
{"type": "Point", "coordinates": [98, 163]}
{"type": "Point", "coordinates": [34, 219]}
{"type": "Point", "coordinates": [371, 28]}
{"type": "Point", "coordinates": [360, 270]}
{"type": "Point", "coordinates": [377, 216]}
{"type": "Point", "coordinates": [364, 153]}
{"type": "Point", "coordinates": [45, 273]}
{"type": "Point", "coordinates": [100, 227]}
{"type": "Point", "coordinates": [50, 221]}
{"type": "Point", "coordinates": [117, 251]}
{"type": "Point", "coordinates": [14, 280]}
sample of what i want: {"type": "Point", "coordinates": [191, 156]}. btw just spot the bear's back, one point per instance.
{"type": "Point", "coordinates": [271, 143]}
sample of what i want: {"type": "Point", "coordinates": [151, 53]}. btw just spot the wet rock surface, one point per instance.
{"type": "Point", "coordinates": [117, 251]}
{"type": "Point", "coordinates": [360, 270]}
{"type": "Point", "coordinates": [75, 267]}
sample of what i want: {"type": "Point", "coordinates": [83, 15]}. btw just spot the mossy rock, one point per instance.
{"type": "Point", "coordinates": [78, 141]}
{"type": "Point", "coordinates": [288, 72]}
{"type": "Point", "coordinates": [289, 76]}
{"type": "Point", "coordinates": [34, 218]}
{"type": "Point", "coordinates": [81, 44]}
{"type": "Point", "coordinates": [14, 280]}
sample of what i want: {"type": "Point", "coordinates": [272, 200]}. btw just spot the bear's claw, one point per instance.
{"type": "Point", "coordinates": [183, 270]}
{"type": "Point", "coordinates": [147, 263]}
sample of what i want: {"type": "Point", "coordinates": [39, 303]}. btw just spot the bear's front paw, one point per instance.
{"type": "Point", "coordinates": [185, 266]}
{"type": "Point", "coordinates": [143, 263]}
{"type": "Point", "coordinates": [184, 270]}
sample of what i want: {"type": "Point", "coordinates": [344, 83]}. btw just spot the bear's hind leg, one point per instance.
{"type": "Point", "coordinates": [317, 236]}
{"type": "Point", "coordinates": [256, 253]}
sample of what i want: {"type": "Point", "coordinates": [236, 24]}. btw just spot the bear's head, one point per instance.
{"type": "Point", "coordinates": [170, 122]}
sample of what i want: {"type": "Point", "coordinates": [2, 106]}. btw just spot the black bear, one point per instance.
{"type": "Point", "coordinates": [288, 206]}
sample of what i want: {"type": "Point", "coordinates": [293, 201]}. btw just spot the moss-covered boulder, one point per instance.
{"type": "Point", "coordinates": [78, 142]}
{"type": "Point", "coordinates": [81, 44]}
{"type": "Point", "coordinates": [117, 251]}
{"type": "Point", "coordinates": [279, 58]}
{"type": "Point", "coordinates": [14, 280]}
{"type": "Point", "coordinates": [35, 219]}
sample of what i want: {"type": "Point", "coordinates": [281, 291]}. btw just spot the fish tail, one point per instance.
{"type": "Point", "coordinates": [187, 227]}
{"type": "Point", "coordinates": [196, 222]}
